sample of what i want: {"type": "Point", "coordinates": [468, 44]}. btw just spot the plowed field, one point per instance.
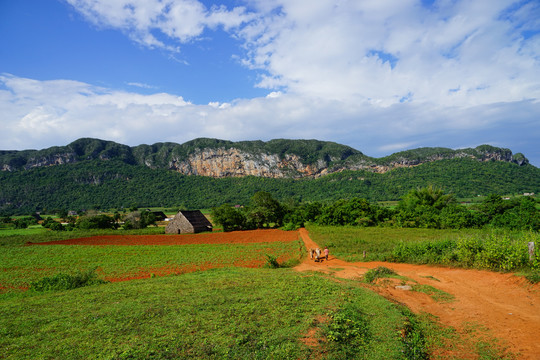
{"type": "Point", "coordinates": [235, 237]}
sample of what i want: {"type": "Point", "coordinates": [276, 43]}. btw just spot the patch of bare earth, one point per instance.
{"type": "Point", "coordinates": [503, 304]}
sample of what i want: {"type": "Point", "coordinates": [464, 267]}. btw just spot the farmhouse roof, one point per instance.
{"type": "Point", "coordinates": [188, 221]}
{"type": "Point", "coordinates": [160, 215]}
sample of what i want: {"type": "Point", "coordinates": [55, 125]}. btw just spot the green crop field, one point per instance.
{"type": "Point", "coordinates": [21, 265]}
{"type": "Point", "coordinates": [223, 311]}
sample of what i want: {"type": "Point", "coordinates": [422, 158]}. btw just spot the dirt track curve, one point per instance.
{"type": "Point", "coordinates": [506, 305]}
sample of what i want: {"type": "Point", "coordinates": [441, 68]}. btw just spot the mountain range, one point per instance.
{"type": "Point", "coordinates": [278, 158]}
{"type": "Point", "coordinates": [203, 173]}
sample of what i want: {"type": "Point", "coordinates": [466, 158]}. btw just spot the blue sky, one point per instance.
{"type": "Point", "coordinates": [381, 76]}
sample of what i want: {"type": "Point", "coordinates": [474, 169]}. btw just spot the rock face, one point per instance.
{"type": "Point", "coordinates": [219, 158]}
{"type": "Point", "coordinates": [235, 163]}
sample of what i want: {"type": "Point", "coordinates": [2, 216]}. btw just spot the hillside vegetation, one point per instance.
{"type": "Point", "coordinates": [115, 184]}
{"type": "Point", "coordinates": [327, 155]}
{"type": "Point", "coordinates": [93, 173]}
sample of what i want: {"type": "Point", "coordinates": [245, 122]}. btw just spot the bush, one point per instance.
{"type": "Point", "coordinates": [425, 252]}
{"type": "Point", "coordinates": [25, 222]}
{"type": "Point", "coordinates": [378, 272]}
{"type": "Point", "coordinates": [348, 331]}
{"type": "Point", "coordinates": [467, 249]}
{"type": "Point", "coordinates": [49, 223]}
{"type": "Point", "coordinates": [66, 281]}
{"type": "Point", "coordinates": [290, 226]}
{"type": "Point", "coordinates": [348, 327]}
{"type": "Point", "coordinates": [271, 262]}
{"type": "Point", "coordinates": [533, 277]}
{"type": "Point", "coordinates": [502, 253]}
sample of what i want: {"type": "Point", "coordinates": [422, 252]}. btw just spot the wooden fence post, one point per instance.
{"type": "Point", "coordinates": [364, 254]}
{"type": "Point", "coordinates": [531, 251]}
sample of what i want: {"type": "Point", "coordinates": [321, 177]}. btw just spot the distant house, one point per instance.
{"type": "Point", "coordinates": [160, 215]}
{"type": "Point", "coordinates": [188, 222]}
{"type": "Point", "coordinates": [37, 216]}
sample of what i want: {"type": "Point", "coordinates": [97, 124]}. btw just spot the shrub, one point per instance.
{"type": "Point", "coordinates": [348, 332]}
{"type": "Point", "coordinates": [49, 223]}
{"type": "Point", "coordinates": [378, 272]}
{"type": "Point", "coordinates": [467, 250]}
{"type": "Point", "coordinates": [348, 327]}
{"type": "Point", "coordinates": [66, 281]}
{"type": "Point", "coordinates": [533, 277]}
{"type": "Point", "coordinates": [272, 262]}
{"type": "Point", "coordinates": [290, 226]}
{"type": "Point", "coordinates": [502, 253]}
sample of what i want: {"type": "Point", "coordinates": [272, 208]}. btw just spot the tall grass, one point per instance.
{"type": "Point", "coordinates": [498, 252]}
{"type": "Point", "coordinates": [480, 249]}
{"type": "Point", "coordinates": [350, 242]}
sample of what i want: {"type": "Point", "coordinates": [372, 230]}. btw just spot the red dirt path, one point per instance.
{"type": "Point", "coordinates": [506, 305]}
{"type": "Point", "coordinates": [234, 237]}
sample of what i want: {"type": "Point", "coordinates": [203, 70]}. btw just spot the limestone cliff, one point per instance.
{"type": "Point", "coordinates": [235, 163]}
{"type": "Point", "coordinates": [219, 158]}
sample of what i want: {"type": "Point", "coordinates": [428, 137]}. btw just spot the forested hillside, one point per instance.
{"type": "Point", "coordinates": [115, 184]}
{"type": "Point", "coordinates": [278, 158]}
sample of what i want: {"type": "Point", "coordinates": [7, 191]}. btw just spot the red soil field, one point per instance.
{"type": "Point", "coordinates": [234, 237]}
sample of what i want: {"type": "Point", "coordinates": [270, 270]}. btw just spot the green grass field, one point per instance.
{"type": "Point", "coordinates": [37, 233]}
{"type": "Point", "coordinates": [21, 265]}
{"type": "Point", "coordinates": [350, 242]}
{"type": "Point", "coordinates": [230, 312]}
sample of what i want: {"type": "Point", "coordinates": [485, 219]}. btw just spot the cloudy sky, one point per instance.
{"type": "Point", "coordinates": [378, 75]}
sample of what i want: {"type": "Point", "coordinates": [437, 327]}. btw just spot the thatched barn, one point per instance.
{"type": "Point", "coordinates": [188, 222]}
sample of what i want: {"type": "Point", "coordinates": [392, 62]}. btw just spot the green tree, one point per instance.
{"type": "Point", "coordinates": [494, 205]}
{"type": "Point", "coordinates": [523, 215]}
{"type": "Point", "coordinates": [62, 214]}
{"type": "Point", "coordinates": [96, 222]}
{"type": "Point", "coordinates": [264, 210]}
{"type": "Point", "coordinates": [229, 218]}
{"type": "Point", "coordinates": [139, 219]}
{"type": "Point", "coordinates": [422, 207]}
{"type": "Point", "coordinates": [427, 196]}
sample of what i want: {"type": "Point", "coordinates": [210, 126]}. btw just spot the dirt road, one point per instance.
{"type": "Point", "coordinates": [506, 305]}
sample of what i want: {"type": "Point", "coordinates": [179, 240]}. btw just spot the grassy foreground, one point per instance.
{"type": "Point", "coordinates": [229, 312]}
{"type": "Point", "coordinates": [233, 313]}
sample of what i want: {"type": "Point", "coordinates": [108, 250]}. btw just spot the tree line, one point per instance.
{"type": "Point", "coordinates": [427, 207]}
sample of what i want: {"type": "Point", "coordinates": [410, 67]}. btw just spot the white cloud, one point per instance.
{"type": "Point", "coordinates": [341, 50]}
{"type": "Point", "coordinates": [145, 20]}
{"type": "Point", "coordinates": [458, 53]}
{"type": "Point", "coordinates": [377, 75]}
{"type": "Point", "coordinates": [46, 113]}
{"type": "Point", "coordinates": [141, 85]}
